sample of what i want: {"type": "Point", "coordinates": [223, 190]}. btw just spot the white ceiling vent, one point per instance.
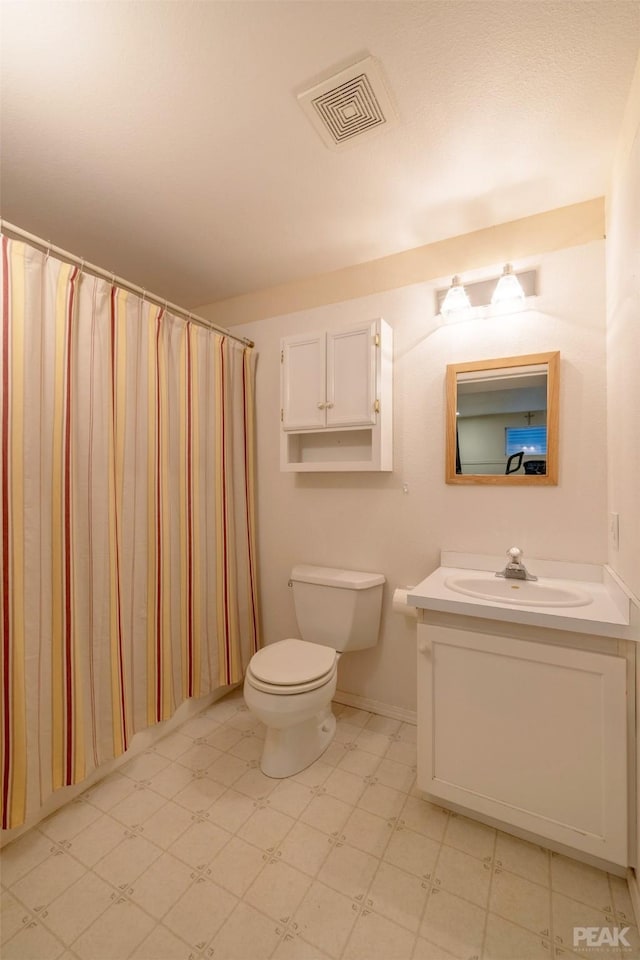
{"type": "Point", "coordinates": [350, 104]}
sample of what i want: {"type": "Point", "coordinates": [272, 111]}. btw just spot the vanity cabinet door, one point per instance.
{"type": "Point", "coordinates": [530, 734]}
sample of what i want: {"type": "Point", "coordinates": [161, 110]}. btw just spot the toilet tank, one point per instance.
{"type": "Point", "coordinates": [337, 608]}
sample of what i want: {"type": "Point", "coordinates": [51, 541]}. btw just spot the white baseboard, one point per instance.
{"type": "Point", "coordinates": [634, 890]}
{"type": "Point", "coordinates": [375, 706]}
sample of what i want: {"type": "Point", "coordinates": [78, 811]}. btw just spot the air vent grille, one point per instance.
{"type": "Point", "coordinates": [349, 104]}
{"type": "Point", "coordinates": [350, 108]}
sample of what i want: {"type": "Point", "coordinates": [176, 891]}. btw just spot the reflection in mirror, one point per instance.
{"type": "Point", "coordinates": [502, 420]}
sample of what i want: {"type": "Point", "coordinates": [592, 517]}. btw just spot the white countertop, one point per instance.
{"type": "Point", "coordinates": [609, 613]}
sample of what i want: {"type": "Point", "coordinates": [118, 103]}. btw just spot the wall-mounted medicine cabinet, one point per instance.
{"type": "Point", "coordinates": [336, 399]}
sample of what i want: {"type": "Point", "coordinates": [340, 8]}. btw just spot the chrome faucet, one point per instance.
{"type": "Point", "coordinates": [515, 568]}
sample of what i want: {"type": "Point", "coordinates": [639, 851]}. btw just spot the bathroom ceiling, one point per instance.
{"type": "Point", "coordinates": [164, 140]}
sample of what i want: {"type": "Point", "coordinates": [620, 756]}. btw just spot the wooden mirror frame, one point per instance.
{"type": "Point", "coordinates": [550, 478]}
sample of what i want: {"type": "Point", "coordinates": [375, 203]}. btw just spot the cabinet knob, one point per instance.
{"type": "Point", "coordinates": [328, 405]}
{"type": "Point", "coordinates": [321, 405]}
{"type": "Point", "coordinates": [423, 646]}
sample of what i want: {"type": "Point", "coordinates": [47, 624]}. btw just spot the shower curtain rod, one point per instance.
{"type": "Point", "coordinates": [98, 271]}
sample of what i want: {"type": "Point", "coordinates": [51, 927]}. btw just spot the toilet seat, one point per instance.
{"type": "Point", "coordinates": [292, 666]}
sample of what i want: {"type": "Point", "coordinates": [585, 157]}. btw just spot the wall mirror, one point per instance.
{"type": "Point", "coordinates": [502, 421]}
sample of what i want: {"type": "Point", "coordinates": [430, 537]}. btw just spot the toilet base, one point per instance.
{"type": "Point", "coordinates": [288, 751]}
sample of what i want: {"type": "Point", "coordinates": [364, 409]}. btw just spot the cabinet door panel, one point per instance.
{"type": "Point", "coordinates": [351, 371]}
{"type": "Point", "coordinates": [303, 382]}
{"type": "Point", "coordinates": [532, 734]}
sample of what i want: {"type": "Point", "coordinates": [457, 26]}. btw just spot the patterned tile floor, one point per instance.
{"type": "Point", "coordinates": [190, 852]}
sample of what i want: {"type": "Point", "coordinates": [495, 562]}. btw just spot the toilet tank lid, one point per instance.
{"type": "Point", "coordinates": [334, 577]}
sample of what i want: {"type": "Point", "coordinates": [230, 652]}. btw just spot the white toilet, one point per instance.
{"type": "Point", "coordinates": [289, 685]}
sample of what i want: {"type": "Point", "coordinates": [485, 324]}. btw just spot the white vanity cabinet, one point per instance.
{"type": "Point", "coordinates": [336, 403]}
{"type": "Point", "coordinates": [526, 729]}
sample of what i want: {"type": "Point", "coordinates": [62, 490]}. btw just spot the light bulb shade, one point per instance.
{"type": "Point", "coordinates": [456, 299]}
{"type": "Point", "coordinates": [508, 288]}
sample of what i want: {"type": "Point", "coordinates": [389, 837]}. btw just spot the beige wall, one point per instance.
{"type": "Point", "coordinates": [367, 522]}
{"type": "Point", "coordinates": [623, 343]}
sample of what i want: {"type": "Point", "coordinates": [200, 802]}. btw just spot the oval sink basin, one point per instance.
{"type": "Point", "coordinates": [529, 593]}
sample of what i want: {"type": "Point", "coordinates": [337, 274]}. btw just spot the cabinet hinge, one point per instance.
{"type": "Point", "coordinates": [281, 414]}
{"type": "Point", "coordinates": [376, 406]}
{"type": "Point", "coordinates": [376, 339]}
{"type": "Point", "coordinates": [282, 356]}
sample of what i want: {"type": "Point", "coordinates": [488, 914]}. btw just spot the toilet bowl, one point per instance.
{"type": "Point", "coordinates": [289, 685]}
{"type": "Point", "coordinates": [289, 688]}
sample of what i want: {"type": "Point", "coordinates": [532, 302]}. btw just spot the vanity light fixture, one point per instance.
{"type": "Point", "coordinates": [456, 299]}
{"type": "Point", "coordinates": [508, 288]}
{"type": "Point", "coordinates": [490, 297]}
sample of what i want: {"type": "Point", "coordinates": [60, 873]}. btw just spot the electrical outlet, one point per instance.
{"type": "Point", "coordinates": [614, 530]}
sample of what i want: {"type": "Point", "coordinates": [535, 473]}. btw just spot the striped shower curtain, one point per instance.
{"type": "Point", "coordinates": [127, 505]}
